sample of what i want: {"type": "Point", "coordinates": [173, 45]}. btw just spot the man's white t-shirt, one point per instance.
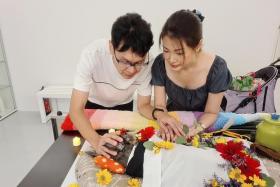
{"type": "Point", "coordinates": [97, 74]}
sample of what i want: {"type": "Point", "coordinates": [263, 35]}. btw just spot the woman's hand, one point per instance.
{"type": "Point", "coordinates": [170, 128]}
{"type": "Point", "coordinates": [110, 138]}
{"type": "Point", "coordinates": [192, 132]}
{"type": "Point", "coordinates": [195, 129]}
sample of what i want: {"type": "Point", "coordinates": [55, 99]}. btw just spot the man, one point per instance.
{"type": "Point", "coordinates": [108, 74]}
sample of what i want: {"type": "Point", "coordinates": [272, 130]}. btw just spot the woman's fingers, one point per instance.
{"type": "Point", "coordinates": [177, 128]}
{"type": "Point", "coordinates": [171, 133]}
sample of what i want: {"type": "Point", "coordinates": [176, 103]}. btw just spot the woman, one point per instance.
{"type": "Point", "coordinates": [191, 78]}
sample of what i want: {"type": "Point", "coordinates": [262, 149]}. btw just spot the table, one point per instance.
{"type": "Point", "coordinates": [53, 167]}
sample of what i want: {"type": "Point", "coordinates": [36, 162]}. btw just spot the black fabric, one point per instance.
{"type": "Point", "coordinates": [135, 165]}
{"type": "Point", "coordinates": [181, 99]}
{"type": "Point", "coordinates": [127, 107]}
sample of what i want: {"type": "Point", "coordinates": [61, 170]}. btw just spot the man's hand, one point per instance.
{"type": "Point", "coordinates": [109, 138]}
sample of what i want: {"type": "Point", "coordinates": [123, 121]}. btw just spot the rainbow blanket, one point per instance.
{"type": "Point", "coordinates": [107, 119]}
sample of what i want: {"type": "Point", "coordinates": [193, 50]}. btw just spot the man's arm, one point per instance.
{"type": "Point", "coordinates": [77, 105]}
{"type": "Point", "coordinates": [144, 106]}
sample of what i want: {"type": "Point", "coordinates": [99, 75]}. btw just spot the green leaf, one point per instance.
{"type": "Point", "coordinates": [180, 140]}
{"type": "Point", "coordinates": [149, 145]}
{"type": "Point", "coordinates": [186, 129]}
{"type": "Point", "coordinates": [270, 182]}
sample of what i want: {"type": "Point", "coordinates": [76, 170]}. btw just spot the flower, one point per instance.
{"type": "Point", "coordinates": [206, 135]}
{"type": "Point", "coordinates": [156, 149]}
{"type": "Point", "coordinates": [133, 182]}
{"type": "Point", "coordinates": [257, 181]}
{"type": "Point", "coordinates": [195, 141]}
{"type": "Point", "coordinates": [221, 140]}
{"type": "Point", "coordinates": [246, 185]}
{"type": "Point", "coordinates": [122, 131]}
{"type": "Point", "coordinates": [250, 167]}
{"type": "Point", "coordinates": [229, 149]}
{"type": "Point", "coordinates": [237, 140]}
{"type": "Point", "coordinates": [214, 183]}
{"type": "Point", "coordinates": [104, 177]}
{"type": "Point", "coordinates": [164, 144]}
{"type": "Point", "coordinates": [145, 134]}
{"type": "Point", "coordinates": [235, 174]}
{"type": "Point", "coordinates": [74, 185]}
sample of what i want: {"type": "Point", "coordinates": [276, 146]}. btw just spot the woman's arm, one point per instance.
{"type": "Point", "coordinates": [210, 113]}
{"type": "Point", "coordinates": [169, 126]}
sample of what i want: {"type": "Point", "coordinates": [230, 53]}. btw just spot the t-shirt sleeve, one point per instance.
{"type": "Point", "coordinates": [83, 77]}
{"type": "Point", "coordinates": [145, 88]}
{"type": "Point", "coordinates": [158, 71]}
{"type": "Point", "coordinates": [220, 77]}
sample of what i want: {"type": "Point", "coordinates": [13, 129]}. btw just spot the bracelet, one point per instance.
{"type": "Point", "coordinates": [199, 127]}
{"type": "Point", "coordinates": [154, 110]}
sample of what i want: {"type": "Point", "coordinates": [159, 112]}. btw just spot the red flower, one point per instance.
{"type": "Point", "coordinates": [123, 131]}
{"type": "Point", "coordinates": [145, 134]}
{"type": "Point", "coordinates": [251, 166]}
{"type": "Point", "coordinates": [228, 150]}
{"type": "Point", "coordinates": [233, 152]}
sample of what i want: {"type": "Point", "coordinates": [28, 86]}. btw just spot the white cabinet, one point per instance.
{"type": "Point", "coordinates": [7, 101]}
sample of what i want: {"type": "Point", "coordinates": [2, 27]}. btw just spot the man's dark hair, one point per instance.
{"type": "Point", "coordinates": [131, 31]}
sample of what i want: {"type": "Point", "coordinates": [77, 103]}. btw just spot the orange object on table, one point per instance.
{"type": "Point", "coordinates": [108, 163]}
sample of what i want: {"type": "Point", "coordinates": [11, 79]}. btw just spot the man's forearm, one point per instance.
{"type": "Point", "coordinates": [146, 111]}
{"type": "Point", "coordinates": [83, 125]}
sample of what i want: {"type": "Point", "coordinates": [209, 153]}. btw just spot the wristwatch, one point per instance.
{"type": "Point", "coordinates": [154, 110]}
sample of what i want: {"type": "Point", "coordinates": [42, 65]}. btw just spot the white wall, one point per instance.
{"type": "Point", "coordinates": [43, 39]}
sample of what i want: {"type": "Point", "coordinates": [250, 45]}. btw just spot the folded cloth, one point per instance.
{"type": "Point", "coordinates": [107, 119]}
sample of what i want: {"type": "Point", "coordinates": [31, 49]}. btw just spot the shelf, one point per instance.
{"type": "Point", "coordinates": [7, 114]}
{"type": "Point", "coordinates": [7, 100]}
{"type": "Point", "coordinates": [4, 86]}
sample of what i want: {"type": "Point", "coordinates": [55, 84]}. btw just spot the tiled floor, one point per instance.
{"type": "Point", "coordinates": [23, 140]}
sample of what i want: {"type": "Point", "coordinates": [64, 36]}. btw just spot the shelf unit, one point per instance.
{"type": "Point", "coordinates": [7, 101]}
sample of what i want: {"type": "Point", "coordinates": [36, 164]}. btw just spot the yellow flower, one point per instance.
{"type": "Point", "coordinates": [235, 174]}
{"type": "Point", "coordinates": [237, 140]}
{"type": "Point", "coordinates": [245, 152]}
{"type": "Point", "coordinates": [221, 140]}
{"type": "Point", "coordinates": [138, 136]}
{"type": "Point", "coordinates": [133, 182]}
{"type": "Point", "coordinates": [207, 135]}
{"type": "Point", "coordinates": [214, 183]}
{"type": "Point", "coordinates": [74, 185]}
{"type": "Point", "coordinates": [195, 141]}
{"type": "Point", "coordinates": [156, 149]}
{"type": "Point", "coordinates": [257, 181]}
{"type": "Point", "coordinates": [246, 185]}
{"type": "Point", "coordinates": [164, 144]}
{"type": "Point", "coordinates": [104, 177]}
